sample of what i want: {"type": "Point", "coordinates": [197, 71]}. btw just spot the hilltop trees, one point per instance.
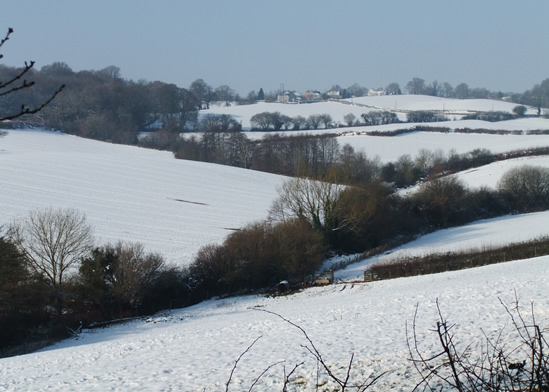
{"type": "Point", "coordinates": [416, 86]}
{"type": "Point", "coordinates": [393, 89]}
{"type": "Point", "coordinates": [537, 96]}
{"type": "Point", "coordinates": [202, 92]}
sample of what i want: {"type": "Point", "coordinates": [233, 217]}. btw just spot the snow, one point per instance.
{"type": "Point", "coordinates": [133, 194]}
{"type": "Point", "coordinates": [337, 109]}
{"type": "Point", "coordinates": [175, 206]}
{"type": "Point", "coordinates": [243, 113]}
{"type": "Point", "coordinates": [489, 175]}
{"type": "Point", "coordinates": [194, 349]}
{"type": "Point", "coordinates": [389, 149]}
{"type": "Point", "coordinates": [425, 102]}
{"type": "Point", "coordinates": [477, 235]}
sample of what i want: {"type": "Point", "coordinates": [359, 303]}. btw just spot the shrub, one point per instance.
{"type": "Point", "coordinates": [116, 279]}
{"type": "Point", "coordinates": [420, 116]}
{"type": "Point", "coordinates": [526, 188]}
{"type": "Point", "coordinates": [440, 201]}
{"type": "Point", "coordinates": [258, 257]}
{"type": "Point", "coordinates": [490, 116]}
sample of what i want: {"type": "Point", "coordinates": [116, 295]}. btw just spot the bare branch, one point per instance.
{"type": "Point", "coordinates": [262, 374]}
{"type": "Point", "coordinates": [26, 110]}
{"type": "Point", "coordinates": [343, 383]}
{"type": "Point", "coordinates": [238, 360]}
{"type": "Point", "coordinates": [7, 37]}
{"type": "Point", "coordinates": [11, 86]}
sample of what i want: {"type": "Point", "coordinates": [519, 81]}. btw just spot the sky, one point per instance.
{"type": "Point", "coordinates": [307, 44]}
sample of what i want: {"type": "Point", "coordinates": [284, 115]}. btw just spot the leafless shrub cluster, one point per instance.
{"type": "Point", "coordinates": [502, 365]}
{"type": "Point", "coordinates": [343, 381]}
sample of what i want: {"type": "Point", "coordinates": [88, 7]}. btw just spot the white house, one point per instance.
{"type": "Point", "coordinates": [376, 93]}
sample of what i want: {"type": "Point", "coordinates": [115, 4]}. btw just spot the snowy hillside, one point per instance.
{"type": "Point", "coordinates": [489, 175]}
{"type": "Point", "coordinates": [337, 109]}
{"type": "Point", "coordinates": [194, 349]}
{"type": "Point", "coordinates": [424, 102]}
{"type": "Point", "coordinates": [477, 235]}
{"type": "Point", "coordinates": [389, 149]}
{"type": "Point", "coordinates": [174, 207]}
{"type": "Point", "coordinates": [127, 193]}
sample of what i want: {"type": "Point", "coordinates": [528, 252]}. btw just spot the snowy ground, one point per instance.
{"type": "Point", "coordinates": [127, 193]}
{"type": "Point", "coordinates": [194, 349]}
{"type": "Point", "coordinates": [489, 175]}
{"type": "Point", "coordinates": [337, 109]}
{"type": "Point", "coordinates": [477, 235]}
{"type": "Point", "coordinates": [389, 149]}
{"type": "Point", "coordinates": [174, 206]}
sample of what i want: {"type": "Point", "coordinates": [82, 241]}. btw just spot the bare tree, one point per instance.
{"type": "Point", "coordinates": [54, 242]}
{"type": "Point", "coordinates": [17, 83]}
{"type": "Point", "coordinates": [312, 200]}
{"type": "Point", "coordinates": [416, 86]}
{"type": "Point", "coordinates": [527, 187]}
{"type": "Point", "coordinates": [350, 119]}
{"type": "Point", "coordinates": [134, 271]}
{"type": "Point", "coordinates": [314, 121]}
{"type": "Point", "coordinates": [326, 120]}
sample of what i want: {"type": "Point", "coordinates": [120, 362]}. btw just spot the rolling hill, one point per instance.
{"type": "Point", "coordinates": [174, 207]}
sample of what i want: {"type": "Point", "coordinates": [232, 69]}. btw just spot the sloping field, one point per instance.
{"type": "Point", "coordinates": [175, 206]}
{"type": "Point", "coordinates": [127, 193]}
{"type": "Point", "coordinates": [401, 104]}
{"type": "Point", "coordinates": [477, 235]}
{"type": "Point", "coordinates": [195, 349]}
{"type": "Point", "coordinates": [425, 102]}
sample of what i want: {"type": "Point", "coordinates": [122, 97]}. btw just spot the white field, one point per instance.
{"type": "Point", "coordinates": [128, 193]}
{"type": "Point", "coordinates": [488, 233]}
{"type": "Point", "coordinates": [400, 104]}
{"type": "Point", "coordinates": [390, 149]}
{"type": "Point", "coordinates": [133, 194]}
{"type": "Point", "coordinates": [194, 349]}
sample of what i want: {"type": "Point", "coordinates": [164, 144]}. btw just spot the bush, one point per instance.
{"type": "Point", "coordinates": [490, 116]}
{"type": "Point", "coordinates": [440, 201]}
{"type": "Point", "coordinates": [116, 279]}
{"type": "Point", "coordinates": [420, 116]}
{"type": "Point", "coordinates": [526, 188]}
{"type": "Point", "coordinates": [23, 300]}
{"type": "Point", "coordinates": [258, 257]}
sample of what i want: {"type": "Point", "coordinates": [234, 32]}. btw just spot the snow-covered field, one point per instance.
{"type": "Point", "coordinates": [425, 102]}
{"type": "Point", "coordinates": [390, 149]}
{"type": "Point", "coordinates": [133, 194]}
{"type": "Point", "coordinates": [194, 349]}
{"type": "Point", "coordinates": [174, 207]}
{"type": "Point", "coordinates": [489, 175]}
{"type": "Point", "coordinates": [337, 109]}
{"type": "Point", "coordinates": [486, 233]}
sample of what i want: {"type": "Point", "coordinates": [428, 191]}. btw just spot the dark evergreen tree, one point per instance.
{"type": "Point", "coordinates": [260, 95]}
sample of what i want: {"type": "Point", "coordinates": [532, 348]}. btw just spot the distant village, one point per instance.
{"type": "Point", "coordinates": [315, 95]}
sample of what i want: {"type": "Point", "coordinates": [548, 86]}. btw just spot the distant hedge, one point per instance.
{"type": "Point", "coordinates": [452, 261]}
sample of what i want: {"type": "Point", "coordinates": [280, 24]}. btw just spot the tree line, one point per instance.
{"type": "Point", "coordinates": [100, 104]}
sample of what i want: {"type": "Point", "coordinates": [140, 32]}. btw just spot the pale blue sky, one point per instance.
{"type": "Point", "coordinates": [303, 44]}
